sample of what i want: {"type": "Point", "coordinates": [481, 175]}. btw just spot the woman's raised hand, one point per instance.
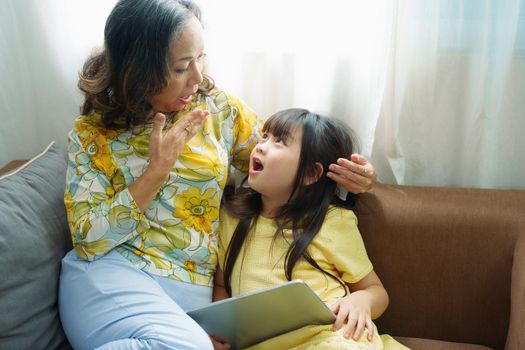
{"type": "Point", "coordinates": [166, 146]}
{"type": "Point", "coordinates": [357, 175]}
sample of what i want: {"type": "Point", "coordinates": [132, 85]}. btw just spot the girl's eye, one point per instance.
{"type": "Point", "coordinates": [264, 136]}
{"type": "Point", "coordinates": [280, 141]}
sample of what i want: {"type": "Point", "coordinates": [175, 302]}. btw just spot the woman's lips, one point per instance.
{"type": "Point", "coordinates": [185, 99]}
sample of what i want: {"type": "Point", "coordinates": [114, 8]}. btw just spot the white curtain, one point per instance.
{"type": "Point", "coordinates": [43, 45]}
{"type": "Point", "coordinates": [435, 89]}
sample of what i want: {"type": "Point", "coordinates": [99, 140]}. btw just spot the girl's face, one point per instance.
{"type": "Point", "coordinates": [274, 163]}
{"type": "Point", "coordinates": [186, 64]}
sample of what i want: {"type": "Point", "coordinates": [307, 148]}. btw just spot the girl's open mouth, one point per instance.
{"type": "Point", "coordinates": [256, 164]}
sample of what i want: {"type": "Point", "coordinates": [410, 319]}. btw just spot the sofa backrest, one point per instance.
{"type": "Point", "coordinates": [445, 256]}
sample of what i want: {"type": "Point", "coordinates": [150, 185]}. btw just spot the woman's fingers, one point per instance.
{"type": "Point", "coordinates": [199, 117]}
{"type": "Point", "coordinates": [158, 124]}
{"type": "Point", "coordinates": [188, 125]}
{"type": "Point", "coordinates": [218, 345]}
{"type": "Point", "coordinates": [367, 167]}
{"type": "Point", "coordinates": [356, 178]}
{"type": "Point", "coordinates": [155, 140]}
{"type": "Point", "coordinates": [195, 119]}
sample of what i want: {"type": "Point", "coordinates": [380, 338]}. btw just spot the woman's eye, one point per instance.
{"type": "Point", "coordinates": [201, 57]}
{"type": "Point", "coordinates": [181, 70]}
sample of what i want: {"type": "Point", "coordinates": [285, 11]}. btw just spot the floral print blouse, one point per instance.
{"type": "Point", "coordinates": [176, 235]}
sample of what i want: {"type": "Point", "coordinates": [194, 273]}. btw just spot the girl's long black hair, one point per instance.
{"type": "Point", "coordinates": [324, 141]}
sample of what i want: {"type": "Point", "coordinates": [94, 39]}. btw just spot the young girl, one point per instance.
{"type": "Point", "coordinates": [289, 226]}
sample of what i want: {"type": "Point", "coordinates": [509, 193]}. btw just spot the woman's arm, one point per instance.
{"type": "Point", "coordinates": [101, 217]}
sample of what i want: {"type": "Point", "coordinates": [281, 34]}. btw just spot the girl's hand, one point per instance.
{"type": "Point", "coordinates": [166, 146]}
{"type": "Point", "coordinates": [357, 175]}
{"type": "Point", "coordinates": [217, 345]}
{"type": "Point", "coordinates": [355, 311]}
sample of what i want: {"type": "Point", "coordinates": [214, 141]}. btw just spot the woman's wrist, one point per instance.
{"type": "Point", "coordinates": [156, 173]}
{"type": "Point", "coordinates": [146, 187]}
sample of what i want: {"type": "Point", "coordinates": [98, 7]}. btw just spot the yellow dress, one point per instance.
{"type": "Point", "coordinates": [338, 248]}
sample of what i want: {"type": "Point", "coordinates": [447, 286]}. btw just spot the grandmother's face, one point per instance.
{"type": "Point", "coordinates": [186, 64]}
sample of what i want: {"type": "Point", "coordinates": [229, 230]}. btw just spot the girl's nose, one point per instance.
{"type": "Point", "coordinates": [260, 147]}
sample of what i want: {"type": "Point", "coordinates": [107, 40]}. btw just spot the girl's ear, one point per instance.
{"type": "Point", "coordinates": [311, 179]}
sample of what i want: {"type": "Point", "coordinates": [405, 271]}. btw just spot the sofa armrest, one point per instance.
{"type": "Point", "coordinates": [516, 335]}
{"type": "Point", "coordinates": [445, 256]}
{"type": "Point", "coordinates": [11, 166]}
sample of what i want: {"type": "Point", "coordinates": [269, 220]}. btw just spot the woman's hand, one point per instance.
{"type": "Point", "coordinates": [217, 345]}
{"type": "Point", "coordinates": [355, 311]}
{"type": "Point", "coordinates": [166, 146]}
{"type": "Point", "coordinates": [357, 175]}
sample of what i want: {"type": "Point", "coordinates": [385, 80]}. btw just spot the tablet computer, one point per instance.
{"type": "Point", "coordinates": [251, 318]}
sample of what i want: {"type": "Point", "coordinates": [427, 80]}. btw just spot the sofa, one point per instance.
{"type": "Point", "coordinates": [452, 260]}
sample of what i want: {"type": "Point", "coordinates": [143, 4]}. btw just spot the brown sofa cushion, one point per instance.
{"type": "Point", "coordinates": [428, 344]}
{"type": "Point", "coordinates": [445, 256]}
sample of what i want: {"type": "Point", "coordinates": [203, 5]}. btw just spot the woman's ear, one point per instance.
{"type": "Point", "coordinates": [311, 179]}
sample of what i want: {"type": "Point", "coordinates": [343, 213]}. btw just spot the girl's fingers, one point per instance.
{"type": "Point", "coordinates": [335, 307]}
{"type": "Point", "coordinates": [360, 327]}
{"type": "Point", "coordinates": [340, 319]}
{"type": "Point", "coordinates": [353, 319]}
{"type": "Point", "coordinates": [370, 327]}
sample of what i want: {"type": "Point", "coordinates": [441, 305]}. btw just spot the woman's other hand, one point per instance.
{"type": "Point", "coordinates": [218, 345]}
{"type": "Point", "coordinates": [356, 175]}
{"type": "Point", "coordinates": [166, 146]}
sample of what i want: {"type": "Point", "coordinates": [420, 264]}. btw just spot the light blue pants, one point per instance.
{"type": "Point", "coordinates": [109, 304]}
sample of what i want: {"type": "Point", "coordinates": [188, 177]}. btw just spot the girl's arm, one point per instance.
{"type": "Point", "coordinates": [219, 289]}
{"type": "Point", "coordinates": [367, 301]}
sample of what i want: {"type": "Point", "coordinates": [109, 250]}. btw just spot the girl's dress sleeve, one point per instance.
{"type": "Point", "coordinates": [100, 216]}
{"type": "Point", "coordinates": [348, 252]}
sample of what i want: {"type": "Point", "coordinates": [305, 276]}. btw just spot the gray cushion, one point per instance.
{"type": "Point", "coordinates": [34, 236]}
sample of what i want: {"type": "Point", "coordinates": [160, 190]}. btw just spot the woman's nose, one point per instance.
{"type": "Point", "coordinates": [196, 76]}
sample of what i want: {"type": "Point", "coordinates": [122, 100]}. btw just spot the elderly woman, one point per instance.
{"type": "Point", "coordinates": [148, 162]}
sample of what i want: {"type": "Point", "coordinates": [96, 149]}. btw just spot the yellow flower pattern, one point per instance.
{"type": "Point", "coordinates": [198, 210]}
{"type": "Point", "coordinates": [176, 235]}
